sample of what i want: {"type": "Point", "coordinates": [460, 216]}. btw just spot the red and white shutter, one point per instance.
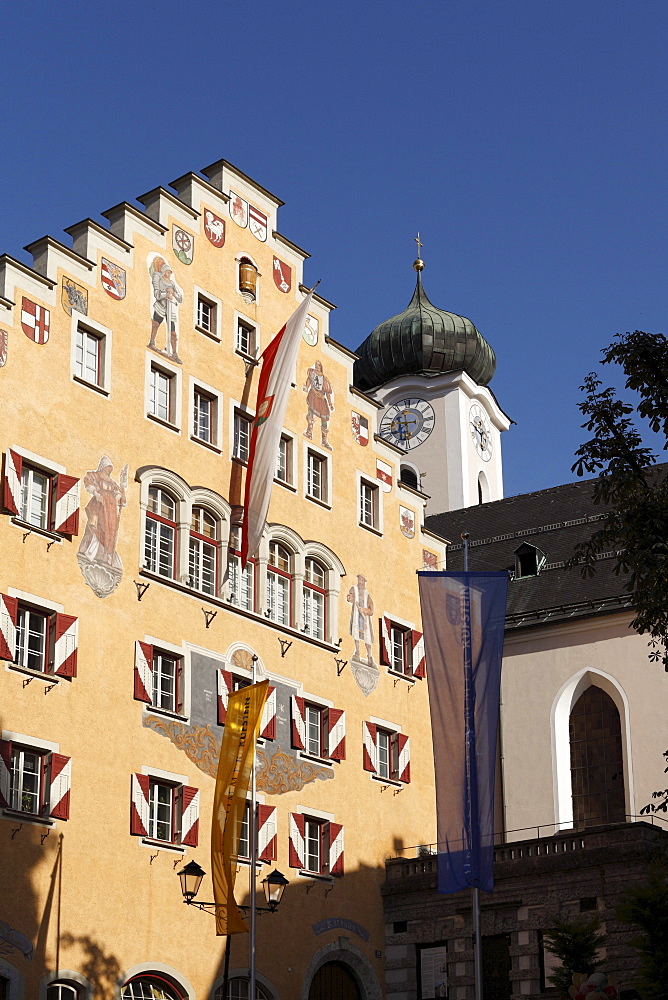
{"type": "Point", "coordinates": [266, 833]}
{"type": "Point", "coordinates": [268, 730]}
{"type": "Point", "coordinates": [9, 609]}
{"type": "Point", "coordinates": [12, 484]}
{"type": "Point", "coordinates": [335, 849]}
{"type": "Point", "coordinates": [369, 750]}
{"type": "Point", "coordinates": [225, 686]}
{"type": "Point", "coordinates": [66, 645]}
{"type": "Point", "coordinates": [337, 734]}
{"type": "Point", "coordinates": [419, 665]}
{"type": "Point", "coordinates": [67, 505]}
{"type": "Point", "coordinates": [5, 772]}
{"type": "Point", "coordinates": [139, 809]}
{"type": "Point", "coordinates": [298, 723]}
{"type": "Point", "coordinates": [296, 840]}
{"type": "Point", "coordinates": [385, 641]}
{"type": "Point", "coordinates": [404, 749]}
{"type": "Point", "coordinates": [144, 671]}
{"type": "Point", "coordinates": [189, 815]}
{"type": "Point", "coordinates": [60, 779]}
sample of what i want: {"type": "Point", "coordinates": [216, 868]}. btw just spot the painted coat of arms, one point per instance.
{"type": "Point", "coordinates": [360, 428]}
{"type": "Point", "coordinates": [113, 279]}
{"type": "Point", "coordinates": [407, 522]}
{"type": "Point", "coordinates": [74, 297]}
{"type": "Point", "coordinates": [4, 339]}
{"type": "Point", "coordinates": [429, 560]}
{"type": "Point", "coordinates": [238, 209]}
{"type": "Point", "coordinates": [257, 223]}
{"type": "Point", "coordinates": [282, 275]}
{"type": "Point", "coordinates": [311, 330]}
{"type": "Point", "coordinates": [384, 475]}
{"type": "Point", "coordinates": [35, 321]}
{"type": "Point", "coordinates": [183, 245]}
{"type": "Point", "coordinates": [214, 228]}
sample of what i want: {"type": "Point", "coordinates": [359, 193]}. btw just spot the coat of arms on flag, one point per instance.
{"type": "Point", "coordinates": [282, 275]}
{"type": "Point", "coordinates": [74, 297]}
{"type": "Point", "coordinates": [113, 278]}
{"type": "Point", "coordinates": [238, 209]}
{"type": "Point", "coordinates": [407, 522]}
{"type": "Point", "coordinates": [384, 475]}
{"type": "Point", "coordinates": [4, 337]}
{"type": "Point", "coordinates": [360, 428]}
{"type": "Point", "coordinates": [214, 228]}
{"type": "Point", "coordinates": [257, 223]}
{"type": "Point", "coordinates": [35, 321]}
{"type": "Point", "coordinates": [263, 410]}
{"type": "Point", "coordinates": [183, 245]}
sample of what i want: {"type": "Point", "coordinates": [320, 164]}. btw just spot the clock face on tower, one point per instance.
{"type": "Point", "coordinates": [480, 432]}
{"type": "Point", "coordinates": [408, 423]}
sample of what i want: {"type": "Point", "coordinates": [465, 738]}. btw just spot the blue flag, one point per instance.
{"type": "Point", "coordinates": [463, 617]}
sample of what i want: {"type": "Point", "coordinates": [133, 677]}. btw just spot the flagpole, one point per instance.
{"type": "Point", "coordinates": [473, 798]}
{"type": "Point", "coordinates": [253, 870]}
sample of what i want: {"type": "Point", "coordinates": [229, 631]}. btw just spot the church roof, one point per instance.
{"type": "Point", "coordinates": [423, 339]}
{"type": "Point", "coordinates": [553, 521]}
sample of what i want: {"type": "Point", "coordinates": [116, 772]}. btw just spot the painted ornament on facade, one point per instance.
{"type": "Point", "coordinates": [257, 223]}
{"type": "Point", "coordinates": [74, 297]}
{"type": "Point", "coordinates": [429, 560]}
{"type": "Point", "coordinates": [311, 330]}
{"type": "Point", "coordinates": [183, 245]}
{"type": "Point", "coordinates": [214, 228]}
{"type": "Point", "coordinates": [319, 403]}
{"type": "Point", "coordinates": [407, 522]}
{"type": "Point", "coordinates": [35, 321]}
{"type": "Point", "coordinates": [360, 428]}
{"type": "Point", "coordinates": [4, 342]}
{"type": "Point", "coordinates": [365, 671]}
{"type": "Point", "coordinates": [13, 940]}
{"type": "Point", "coordinates": [384, 475]}
{"type": "Point", "coordinates": [282, 276]}
{"type": "Point", "coordinates": [238, 209]}
{"type": "Point", "coordinates": [98, 559]}
{"type": "Point", "coordinates": [167, 297]}
{"type": "Point", "coordinates": [113, 279]}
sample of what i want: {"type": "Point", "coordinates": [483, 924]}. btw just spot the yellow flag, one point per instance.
{"type": "Point", "coordinates": [242, 727]}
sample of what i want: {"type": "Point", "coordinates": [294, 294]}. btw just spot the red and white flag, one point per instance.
{"type": "Point", "coordinates": [278, 365]}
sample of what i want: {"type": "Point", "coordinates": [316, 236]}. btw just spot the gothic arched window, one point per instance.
{"type": "Point", "coordinates": [597, 761]}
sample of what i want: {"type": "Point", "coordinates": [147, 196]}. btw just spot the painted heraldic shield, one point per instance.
{"type": "Point", "coordinates": [214, 228]}
{"type": "Point", "coordinates": [35, 321]}
{"type": "Point", "coordinates": [183, 245]}
{"type": "Point", "coordinates": [4, 337]}
{"type": "Point", "coordinates": [74, 297]}
{"type": "Point", "coordinates": [282, 275]}
{"type": "Point", "coordinates": [238, 209]}
{"type": "Point", "coordinates": [113, 279]}
{"type": "Point", "coordinates": [257, 223]}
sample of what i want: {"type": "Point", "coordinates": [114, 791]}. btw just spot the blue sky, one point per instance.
{"type": "Point", "coordinates": [525, 140]}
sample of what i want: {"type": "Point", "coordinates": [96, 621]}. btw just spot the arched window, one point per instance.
{"type": "Point", "coordinates": [314, 599]}
{"type": "Point", "coordinates": [160, 533]}
{"type": "Point", "coordinates": [409, 477]}
{"type": "Point", "coordinates": [241, 585]}
{"type": "Point", "coordinates": [483, 488]}
{"type": "Point", "coordinates": [238, 988]}
{"type": "Point", "coordinates": [150, 987]}
{"type": "Point", "coordinates": [597, 762]}
{"type": "Point", "coordinates": [203, 551]}
{"type": "Point", "coordinates": [63, 991]}
{"type": "Point", "coordinates": [279, 581]}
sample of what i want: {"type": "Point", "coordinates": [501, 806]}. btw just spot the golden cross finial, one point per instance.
{"type": "Point", "coordinates": [419, 263]}
{"type": "Point", "coordinates": [419, 245]}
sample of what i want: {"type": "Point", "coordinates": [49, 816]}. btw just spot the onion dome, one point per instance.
{"type": "Point", "coordinates": [426, 340]}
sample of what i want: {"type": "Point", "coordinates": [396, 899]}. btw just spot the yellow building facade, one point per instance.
{"type": "Point", "coordinates": [128, 380]}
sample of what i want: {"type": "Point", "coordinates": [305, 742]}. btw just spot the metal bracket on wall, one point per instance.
{"type": "Point", "coordinates": [141, 589]}
{"type": "Point", "coordinates": [285, 645]}
{"type": "Point", "coordinates": [209, 616]}
{"type": "Point", "coordinates": [249, 365]}
{"type": "Point", "coordinates": [153, 857]}
{"type": "Point", "coordinates": [44, 836]}
{"type": "Point", "coordinates": [49, 687]}
{"type": "Point", "coordinates": [329, 889]}
{"type": "Point", "coordinates": [16, 830]}
{"type": "Point", "coordinates": [49, 544]}
{"type": "Point", "coordinates": [340, 664]}
{"type": "Point", "coordinates": [27, 680]}
{"type": "Point", "coordinates": [397, 790]}
{"type": "Point", "coordinates": [25, 535]}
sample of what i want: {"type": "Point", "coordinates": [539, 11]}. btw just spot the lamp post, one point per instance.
{"type": "Point", "coordinates": [273, 886]}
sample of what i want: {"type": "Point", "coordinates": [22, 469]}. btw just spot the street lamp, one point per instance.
{"type": "Point", "coordinates": [191, 878]}
{"type": "Point", "coordinates": [274, 887]}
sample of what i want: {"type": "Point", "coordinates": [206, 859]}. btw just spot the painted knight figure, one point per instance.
{"type": "Point", "coordinates": [365, 672]}
{"type": "Point", "coordinates": [167, 297]}
{"type": "Point", "coordinates": [98, 559]}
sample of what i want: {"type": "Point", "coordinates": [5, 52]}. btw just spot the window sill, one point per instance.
{"type": "Point", "coordinates": [154, 710]}
{"type": "Point", "coordinates": [243, 462]}
{"type": "Point", "coordinates": [315, 876]}
{"type": "Point", "coordinates": [285, 484]}
{"type": "Point", "coordinates": [209, 333]}
{"type": "Point", "coordinates": [401, 677]}
{"type": "Point", "coordinates": [392, 782]}
{"type": "Point", "coordinates": [371, 528]}
{"type": "Point", "coordinates": [316, 760]}
{"type": "Point", "coordinates": [91, 385]}
{"type": "Point", "coordinates": [15, 814]}
{"type": "Point", "coordinates": [45, 532]}
{"type": "Point", "coordinates": [40, 675]}
{"type": "Point", "coordinates": [163, 845]}
{"type": "Point", "coordinates": [206, 444]}
{"type": "Point", "coordinates": [321, 503]}
{"type": "Point", "coordinates": [163, 423]}
{"type": "Point", "coordinates": [248, 359]}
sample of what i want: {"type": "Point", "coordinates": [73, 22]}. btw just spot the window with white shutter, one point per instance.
{"type": "Point", "coordinates": [164, 811]}
{"type": "Point", "coordinates": [386, 752]}
{"type": "Point", "coordinates": [40, 497]}
{"type": "Point", "coordinates": [33, 781]}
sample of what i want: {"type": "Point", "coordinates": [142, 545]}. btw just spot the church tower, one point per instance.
{"type": "Point", "coordinates": [430, 370]}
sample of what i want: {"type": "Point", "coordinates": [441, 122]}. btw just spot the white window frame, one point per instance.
{"type": "Point", "coordinates": [323, 705]}
{"type": "Point", "coordinates": [49, 468]}
{"type": "Point", "coordinates": [42, 606]}
{"type": "Point", "coordinates": [181, 653]}
{"type": "Point", "coordinates": [321, 818]}
{"type": "Point", "coordinates": [290, 482]}
{"type": "Point", "coordinates": [216, 304]}
{"type": "Point", "coordinates": [394, 731]}
{"type": "Point", "coordinates": [216, 544]}
{"type": "Point", "coordinates": [176, 402]}
{"type": "Point", "coordinates": [374, 485]}
{"type": "Point", "coordinates": [241, 318]}
{"type": "Point", "coordinates": [325, 456]}
{"type": "Point", "coordinates": [217, 421]}
{"type": "Point", "coordinates": [251, 569]}
{"type": "Point", "coordinates": [236, 408]}
{"type": "Point", "coordinates": [104, 335]}
{"type": "Point", "coordinates": [31, 744]}
{"type": "Point", "coordinates": [175, 781]}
